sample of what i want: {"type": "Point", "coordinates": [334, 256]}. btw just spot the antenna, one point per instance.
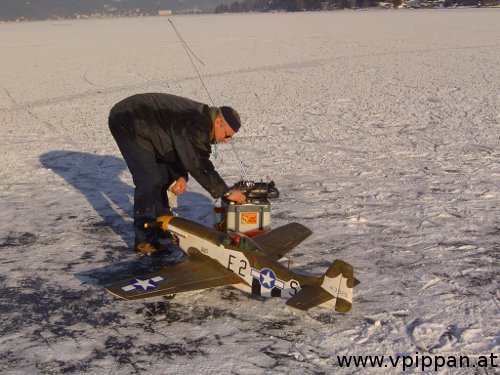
{"type": "Point", "coordinates": [191, 54]}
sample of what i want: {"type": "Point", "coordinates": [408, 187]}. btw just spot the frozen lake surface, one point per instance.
{"type": "Point", "coordinates": [380, 128]}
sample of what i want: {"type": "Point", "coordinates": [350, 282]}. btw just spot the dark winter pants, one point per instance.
{"type": "Point", "coordinates": [151, 179]}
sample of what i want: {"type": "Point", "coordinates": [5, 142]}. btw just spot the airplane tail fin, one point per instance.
{"type": "Point", "coordinates": [335, 291]}
{"type": "Point", "coordinates": [339, 281]}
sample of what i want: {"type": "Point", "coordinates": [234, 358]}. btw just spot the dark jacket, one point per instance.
{"type": "Point", "coordinates": [180, 131]}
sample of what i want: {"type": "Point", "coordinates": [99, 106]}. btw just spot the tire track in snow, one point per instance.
{"type": "Point", "coordinates": [27, 108]}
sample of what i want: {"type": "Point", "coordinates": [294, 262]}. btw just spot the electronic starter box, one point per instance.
{"type": "Point", "coordinates": [251, 218]}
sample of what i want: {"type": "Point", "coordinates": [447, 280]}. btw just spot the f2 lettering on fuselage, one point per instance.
{"type": "Point", "coordinates": [237, 267]}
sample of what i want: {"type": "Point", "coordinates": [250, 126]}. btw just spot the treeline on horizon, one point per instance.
{"type": "Point", "coordinates": [11, 10]}
{"type": "Point", "coordinates": [283, 5]}
{"type": "Point", "coordinates": [312, 5]}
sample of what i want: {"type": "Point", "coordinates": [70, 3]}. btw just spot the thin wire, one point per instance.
{"type": "Point", "coordinates": [239, 161]}
{"type": "Point", "coordinates": [190, 53]}
{"type": "Point", "coordinates": [184, 42]}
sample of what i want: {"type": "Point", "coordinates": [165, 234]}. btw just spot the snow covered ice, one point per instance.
{"type": "Point", "coordinates": [380, 128]}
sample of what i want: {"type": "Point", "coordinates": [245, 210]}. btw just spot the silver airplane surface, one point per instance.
{"type": "Point", "coordinates": [218, 259]}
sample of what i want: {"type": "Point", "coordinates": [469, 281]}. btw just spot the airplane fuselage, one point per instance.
{"type": "Point", "coordinates": [253, 271]}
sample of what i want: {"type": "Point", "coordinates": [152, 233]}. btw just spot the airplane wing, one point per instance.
{"type": "Point", "coordinates": [192, 274]}
{"type": "Point", "coordinates": [278, 242]}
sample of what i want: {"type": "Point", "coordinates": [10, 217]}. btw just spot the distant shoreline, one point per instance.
{"type": "Point", "coordinates": [146, 15]}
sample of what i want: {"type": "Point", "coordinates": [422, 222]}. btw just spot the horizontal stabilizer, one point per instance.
{"type": "Point", "coordinates": [335, 291]}
{"type": "Point", "coordinates": [278, 242]}
{"type": "Point", "coordinates": [309, 296]}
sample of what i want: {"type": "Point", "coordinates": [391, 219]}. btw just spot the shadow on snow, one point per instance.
{"type": "Point", "coordinates": [98, 178]}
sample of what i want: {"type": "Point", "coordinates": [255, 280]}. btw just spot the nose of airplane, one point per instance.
{"type": "Point", "coordinates": [161, 222]}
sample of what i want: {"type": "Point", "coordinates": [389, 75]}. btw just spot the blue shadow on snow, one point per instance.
{"type": "Point", "coordinates": [97, 177]}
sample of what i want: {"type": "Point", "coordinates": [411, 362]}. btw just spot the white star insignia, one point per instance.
{"type": "Point", "coordinates": [267, 279]}
{"type": "Point", "coordinates": [143, 284]}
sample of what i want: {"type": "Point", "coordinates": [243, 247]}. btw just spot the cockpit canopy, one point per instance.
{"type": "Point", "coordinates": [233, 240]}
{"type": "Point", "coordinates": [240, 242]}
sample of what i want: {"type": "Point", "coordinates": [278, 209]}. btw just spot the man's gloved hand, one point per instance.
{"type": "Point", "coordinates": [235, 196]}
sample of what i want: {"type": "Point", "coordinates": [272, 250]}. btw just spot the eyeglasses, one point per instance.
{"type": "Point", "coordinates": [226, 129]}
{"type": "Point", "coordinates": [227, 134]}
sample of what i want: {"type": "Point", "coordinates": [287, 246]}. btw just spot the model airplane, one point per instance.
{"type": "Point", "coordinates": [250, 264]}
